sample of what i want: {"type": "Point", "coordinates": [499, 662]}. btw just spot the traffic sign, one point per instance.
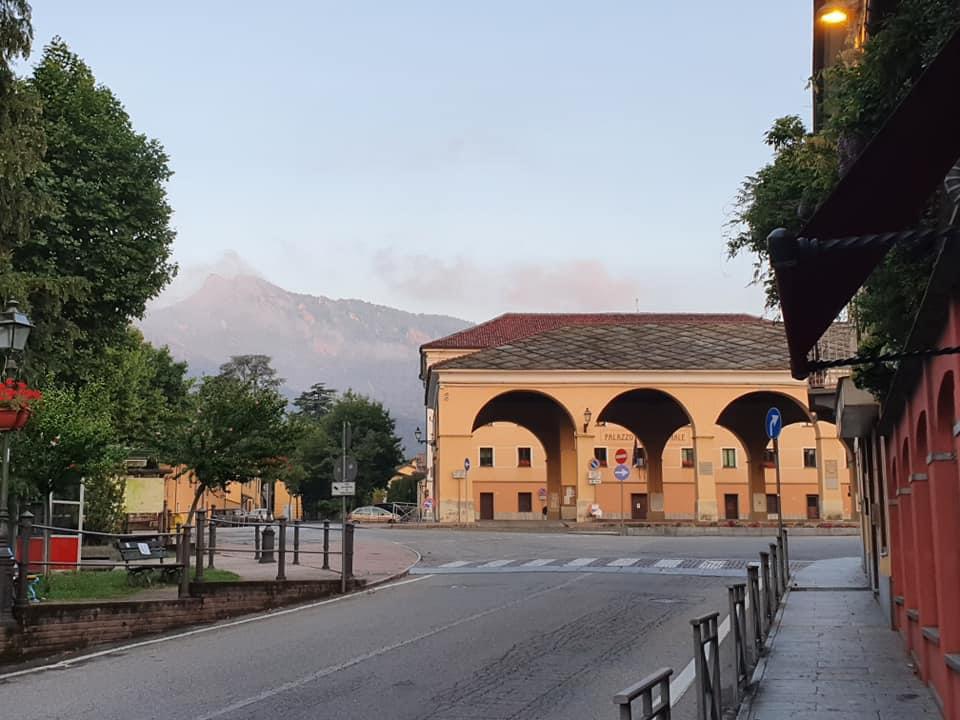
{"type": "Point", "coordinates": [774, 423]}
{"type": "Point", "coordinates": [344, 489]}
{"type": "Point", "coordinates": [594, 464]}
{"type": "Point", "coordinates": [621, 472]}
{"type": "Point", "coordinates": [466, 464]}
{"type": "Point", "coordinates": [621, 457]}
{"type": "Point", "coordinates": [428, 504]}
{"type": "Point", "coordinates": [351, 470]}
{"type": "Point", "coordinates": [542, 493]}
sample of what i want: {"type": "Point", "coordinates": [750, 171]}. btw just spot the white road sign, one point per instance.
{"type": "Point", "coordinates": [344, 489]}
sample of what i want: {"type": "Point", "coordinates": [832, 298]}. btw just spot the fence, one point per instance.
{"type": "Point", "coordinates": [753, 606]}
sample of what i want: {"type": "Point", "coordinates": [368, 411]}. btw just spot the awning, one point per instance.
{"type": "Point", "coordinates": [884, 191]}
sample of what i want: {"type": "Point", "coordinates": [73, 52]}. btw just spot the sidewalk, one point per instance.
{"type": "Point", "coordinates": [833, 656]}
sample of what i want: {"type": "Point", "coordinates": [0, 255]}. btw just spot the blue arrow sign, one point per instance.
{"type": "Point", "coordinates": [621, 472]}
{"type": "Point", "coordinates": [774, 423]}
{"type": "Point", "coordinates": [466, 464]}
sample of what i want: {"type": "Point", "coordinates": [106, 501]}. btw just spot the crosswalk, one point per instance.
{"type": "Point", "coordinates": [648, 565]}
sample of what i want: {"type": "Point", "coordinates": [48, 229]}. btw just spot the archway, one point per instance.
{"type": "Point", "coordinates": [551, 424]}
{"type": "Point", "coordinates": [653, 416]}
{"type": "Point", "coordinates": [744, 417]}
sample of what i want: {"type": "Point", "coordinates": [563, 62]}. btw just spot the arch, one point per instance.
{"type": "Point", "coordinates": [551, 423]}
{"type": "Point", "coordinates": [946, 415]}
{"type": "Point", "coordinates": [921, 436]}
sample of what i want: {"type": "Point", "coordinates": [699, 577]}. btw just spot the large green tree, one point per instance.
{"type": "Point", "coordinates": [315, 402]}
{"type": "Point", "coordinates": [255, 370]}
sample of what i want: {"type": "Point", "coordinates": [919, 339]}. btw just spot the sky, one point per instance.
{"type": "Point", "coordinates": [458, 157]}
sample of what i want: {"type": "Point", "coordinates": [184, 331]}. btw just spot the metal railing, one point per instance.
{"type": "Point", "coordinates": [706, 662]}
{"type": "Point", "coordinates": [654, 694]}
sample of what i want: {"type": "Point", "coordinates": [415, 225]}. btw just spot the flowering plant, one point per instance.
{"type": "Point", "coordinates": [16, 395]}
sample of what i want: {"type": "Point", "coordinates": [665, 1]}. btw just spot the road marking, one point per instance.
{"type": "Point", "coordinates": [496, 563]}
{"type": "Point", "coordinates": [538, 563]}
{"type": "Point", "coordinates": [623, 562]}
{"type": "Point", "coordinates": [668, 562]}
{"type": "Point", "coordinates": [199, 631]}
{"type": "Point", "coordinates": [456, 563]}
{"type": "Point", "coordinates": [313, 677]}
{"type": "Point", "coordinates": [712, 564]}
{"type": "Point", "coordinates": [580, 562]}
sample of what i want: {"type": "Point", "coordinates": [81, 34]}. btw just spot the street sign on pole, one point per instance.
{"type": "Point", "coordinates": [620, 456]}
{"type": "Point", "coordinates": [621, 472]}
{"type": "Point", "coordinates": [594, 464]}
{"type": "Point", "coordinates": [774, 423]}
{"type": "Point", "coordinates": [343, 489]}
{"type": "Point", "coordinates": [466, 464]}
{"type": "Point", "coordinates": [351, 466]}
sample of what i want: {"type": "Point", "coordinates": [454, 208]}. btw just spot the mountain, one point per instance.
{"type": "Point", "coordinates": [342, 343]}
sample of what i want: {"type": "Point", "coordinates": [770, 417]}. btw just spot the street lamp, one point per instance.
{"type": "Point", "coordinates": [418, 434]}
{"type": "Point", "coordinates": [586, 419]}
{"type": "Point", "coordinates": [15, 328]}
{"type": "Point", "coordinates": [833, 16]}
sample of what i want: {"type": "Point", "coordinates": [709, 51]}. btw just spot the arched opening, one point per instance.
{"type": "Point", "coordinates": [653, 417]}
{"type": "Point", "coordinates": [510, 488]}
{"type": "Point", "coordinates": [946, 416]}
{"type": "Point", "coordinates": [745, 418]}
{"type": "Point", "coordinates": [945, 503]}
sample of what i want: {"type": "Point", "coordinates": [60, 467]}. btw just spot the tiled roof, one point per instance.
{"type": "Point", "coordinates": [517, 326]}
{"type": "Point", "coordinates": [674, 345]}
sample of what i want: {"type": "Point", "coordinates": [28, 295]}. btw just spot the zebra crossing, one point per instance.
{"type": "Point", "coordinates": [640, 565]}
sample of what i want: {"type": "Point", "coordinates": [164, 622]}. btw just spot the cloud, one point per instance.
{"type": "Point", "coordinates": [476, 291]}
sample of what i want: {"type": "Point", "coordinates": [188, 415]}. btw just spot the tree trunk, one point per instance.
{"type": "Point", "coordinates": [196, 500]}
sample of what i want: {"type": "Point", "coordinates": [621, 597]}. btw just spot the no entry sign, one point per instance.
{"type": "Point", "coordinates": [621, 456]}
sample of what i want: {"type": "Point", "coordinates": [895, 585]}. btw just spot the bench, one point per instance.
{"type": "Point", "coordinates": [142, 556]}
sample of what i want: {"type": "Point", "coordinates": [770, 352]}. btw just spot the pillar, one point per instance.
{"type": "Point", "coordinates": [704, 451]}
{"type": "Point", "coordinates": [454, 486]}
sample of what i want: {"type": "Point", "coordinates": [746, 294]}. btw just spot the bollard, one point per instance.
{"type": "Point", "coordinates": [775, 575]}
{"type": "Point", "coordinates": [296, 542]}
{"type": "Point", "coordinates": [266, 544]}
{"type": "Point", "coordinates": [26, 530]}
{"type": "Point", "coordinates": [326, 544]}
{"type": "Point", "coordinates": [783, 566]}
{"type": "Point", "coordinates": [706, 658]}
{"type": "Point", "coordinates": [737, 595]}
{"type": "Point", "coordinates": [201, 525]}
{"type": "Point", "coordinates": [786, 553]}
{"type": "Point", "coordinates": [256, 541]}
{"type": "Point", "coordinates": [346, 571]}
{"type": "Point", "coordinates": [185, 554]}
{"type": "Point", "coordinates": [282, 550]}
{"type": "Point", "coordinates": [213, 542]}
{"type": "Point", "coordinates": [179, 548]}
{"type": "Point", "coordinates": [767, 597]}
{"type": "Point", "coordinates": [756, 612]}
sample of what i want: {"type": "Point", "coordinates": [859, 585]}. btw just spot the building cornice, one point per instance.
{"type": "Point", "coordinates": [548, 378]}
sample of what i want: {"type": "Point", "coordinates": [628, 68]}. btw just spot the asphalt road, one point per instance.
{"type": "Point", "coordinates": [484, 645]}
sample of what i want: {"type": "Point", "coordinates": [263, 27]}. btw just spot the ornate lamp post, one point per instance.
{"type": "Point", "coordinates": [15, 328]}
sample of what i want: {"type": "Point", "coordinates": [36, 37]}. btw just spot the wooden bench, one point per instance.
{"type": "Point", "coordinates": [142, 556]}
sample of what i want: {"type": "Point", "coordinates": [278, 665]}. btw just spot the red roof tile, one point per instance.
{"type": "Point", "coordinates": [511, 327]}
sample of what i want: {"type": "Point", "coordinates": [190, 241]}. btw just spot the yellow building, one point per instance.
{"type": "Point", "coordinates": [179, 490]}
{"type": "Point", "coordinates": [528, 415]}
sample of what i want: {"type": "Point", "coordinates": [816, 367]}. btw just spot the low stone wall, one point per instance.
{"type": "Point", "coordinates": [49, 628]}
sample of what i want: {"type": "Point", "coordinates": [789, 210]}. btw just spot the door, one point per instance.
{"type": "Point", "coordinates": [638, 506]}
{"type": "Point", "coordinates": [813, 507]}
{"type": "Point", "coordinates": [731, 505]}
{"type": "Point", "coordinates": [486, 506]}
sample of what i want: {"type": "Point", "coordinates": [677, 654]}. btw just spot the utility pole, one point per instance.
{"type": "Point", "coordinates": [345, 446]}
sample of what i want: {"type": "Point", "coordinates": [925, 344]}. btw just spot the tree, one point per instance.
{"type": "Point", "coordinates": [234, 432]}
{"type": "Point", "coordinates": [315, 402]}
{"type": "Point", "coordinates": [100, 239]}
{"type": "Point", "coordinates": [253, 369]}
{"type": "Point", "coordinates": [404, 488]}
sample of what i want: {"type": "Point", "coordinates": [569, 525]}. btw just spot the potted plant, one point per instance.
{"type": "Point", "coordinates": [16, 399]}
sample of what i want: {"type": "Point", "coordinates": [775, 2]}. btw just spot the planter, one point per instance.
{"type": "Point", "coordinates": [13, 419]}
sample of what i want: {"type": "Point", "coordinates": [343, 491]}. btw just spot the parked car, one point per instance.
{"type": "Point", "coordinates": [254, 516]}
{"type": "Point", "coordinates": [373, 514]}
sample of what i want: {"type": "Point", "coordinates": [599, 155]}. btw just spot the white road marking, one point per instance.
{"type": "Point", "coordinates": [456, 563]}
{"type": "Point", "coordinates": [496, 563]}
{"type": "Point", "coordinates": [580, 562]}
{"type": "Point", "coordinates": [668, 562]}
{"type": "Point", "coordinates": [199, 631]}
{"type": "Point", "coordinates": [712, 564]}
{"type": "Point", "coordinates": [313, 677]}
{"type": "Point", "coordinates": [623, 562]}
{"type": "Point", "coordinates": [538, 563]}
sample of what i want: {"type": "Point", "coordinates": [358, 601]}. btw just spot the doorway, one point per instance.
{"type": "Point", "coordinates": [638, 506]}
{"type": "Point", "coordinates": [486, 506]}
{"type": "Point", "coordinates": [731, 506]}
{"type": "Point", "coordinates": [813, 507]}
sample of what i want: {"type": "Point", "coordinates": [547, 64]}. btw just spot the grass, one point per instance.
{"type": "Point", "coordinates": [106, 585]}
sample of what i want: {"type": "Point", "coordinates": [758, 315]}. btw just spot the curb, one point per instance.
{"type": "Point", "coordinates": [746, 705]}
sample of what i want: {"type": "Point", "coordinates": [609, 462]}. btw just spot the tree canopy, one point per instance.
{"type": "Point", "coordinates": [254, 370]}
{"type": "Point", "coordinates": [315, 402]}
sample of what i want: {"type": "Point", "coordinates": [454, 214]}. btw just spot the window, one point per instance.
{"type": "Point", "coordinates": [600, 454]}
{"type": "Point", "coordinates": [523, 457]}
{"type": "Point", "coordinates": [809, 457]}
{"type": "Point", "coordinates": [486, 457]}
{"type": "Point", "coordinates": [524, 502]}
{"type": "Point", "coordinates": [769, 459]}
{"type": "Point", "coordinates": [686, 457]}
{"type": "Point", "coordinates": [639, 457]}
{"type": "Point", "coordinates": [729, 457]}
{"type": "Point", "coordinates": [773, 504]}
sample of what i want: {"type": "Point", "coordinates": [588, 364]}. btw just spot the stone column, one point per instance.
{"type": "Point", "coordinates": [704, 452]}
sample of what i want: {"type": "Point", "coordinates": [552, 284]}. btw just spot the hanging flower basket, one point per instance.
{"type": "Point", "coordinates": [15, 401]}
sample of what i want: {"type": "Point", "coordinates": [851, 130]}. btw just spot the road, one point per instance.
{"type": "Point", "coordinates": [483, 644]}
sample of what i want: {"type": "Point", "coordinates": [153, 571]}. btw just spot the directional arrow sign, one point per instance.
{"type": "Point", "coordinates": [621, 472]}
{"type": "Point", "coordinates": [774, 423]}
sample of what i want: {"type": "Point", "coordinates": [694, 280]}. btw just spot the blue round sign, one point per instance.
{"type": "Point", "coordinates": [466, 464]}
{"type": "Point", "coordinates": [621, 472]}
{"type": "Point", "coordinates": [594, 464]}
{"type": "Point", "coordinates": [774, 423]}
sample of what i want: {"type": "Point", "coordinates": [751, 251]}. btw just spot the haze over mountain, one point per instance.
{"type": "Point", "coordinates": [211, 313]}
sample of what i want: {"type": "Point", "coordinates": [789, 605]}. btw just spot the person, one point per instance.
{"type": "Point", "coordinates": [544, 512]}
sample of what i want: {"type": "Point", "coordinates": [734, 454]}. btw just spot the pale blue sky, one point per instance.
{"type": "Point", "coordinates": [458, 157]}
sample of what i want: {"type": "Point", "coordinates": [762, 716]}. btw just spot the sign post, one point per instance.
{"type": "Point", "coordinates": [466, 469]}
{"type": "Point", "coordinates": [774, 425]}
{"type": "Point", "coordinates": [621, 473]}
